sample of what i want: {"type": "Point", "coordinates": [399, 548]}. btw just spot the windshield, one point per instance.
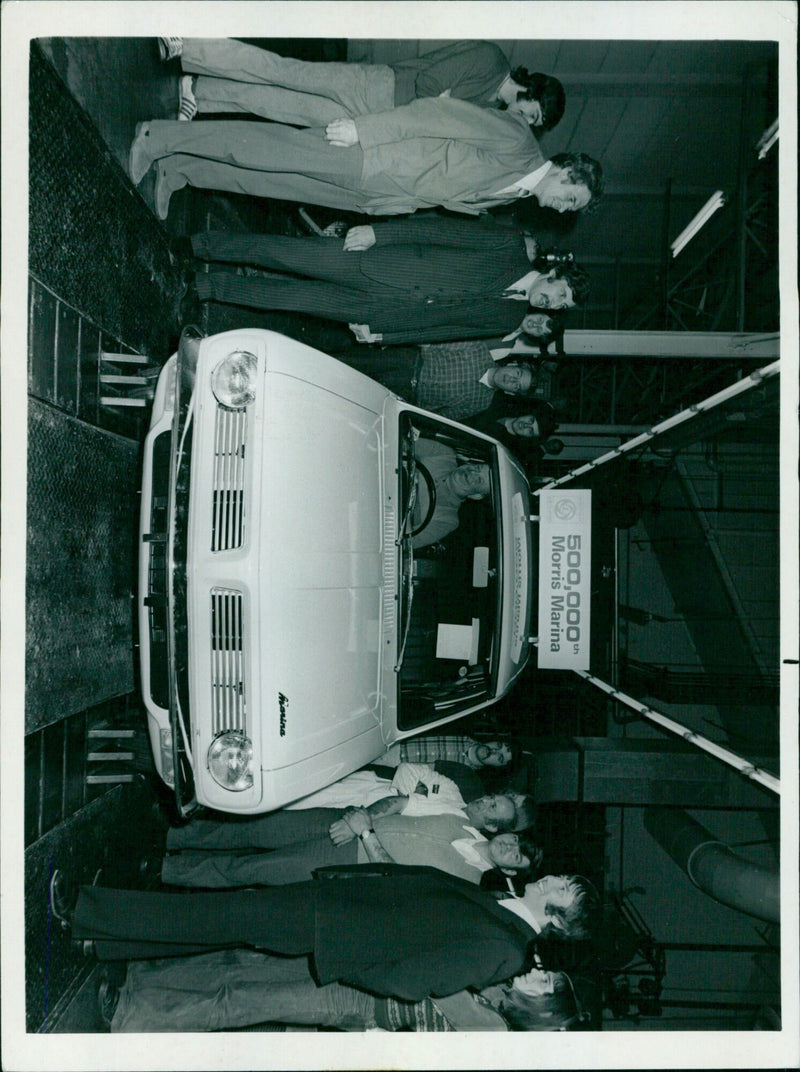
{"type": "Point", "coordinates": [448, 543]}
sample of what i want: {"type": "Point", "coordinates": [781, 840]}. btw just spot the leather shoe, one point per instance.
{"type": "Point", "coordinates": [181, 251]}
{"type": "Point", "coordinates": [63, 897]}
{"type": "Point", "coordinates": [139, 159]}
{"type": "Point", "coordinates": [190, 308]}
{"type": "Point", "coordinates": [166, 185]}
{"type": "Point", "coordinates": [107, 1000]}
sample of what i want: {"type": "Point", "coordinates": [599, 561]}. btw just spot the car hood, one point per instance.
{"type": "Point", "coordinates": [321, 591]}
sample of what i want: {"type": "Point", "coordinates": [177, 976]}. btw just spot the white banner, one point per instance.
{"type": "Point", "coordinates": [565, 574]}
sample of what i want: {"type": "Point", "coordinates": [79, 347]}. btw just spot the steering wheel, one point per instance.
{"type": "Point", "coordinates": [431, 487]}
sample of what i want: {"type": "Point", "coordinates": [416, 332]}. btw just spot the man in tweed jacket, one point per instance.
{"type": "Point", "coordinates": [425, 278]}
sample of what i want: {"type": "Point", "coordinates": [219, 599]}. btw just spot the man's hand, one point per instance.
{"type": "Point", "coordinates": [351, 824]}
{"type": "Point", "coordinates": [358, 238]}
{"type": "Point", "coordinates": [341, 832]}
{"type": "Point", "coordinates": [358, 819]}
{"type": "Point", "coordinates": [342, 132]}
{"type": "Point", "coordinates": [363, 334]}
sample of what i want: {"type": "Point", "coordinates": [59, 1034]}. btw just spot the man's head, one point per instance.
{"type": "Point", "coordinates": [563, 287]}
{"type": "Point", "coordinates": [471, 481]}
{"type": "Point", "coordinates": [507, 853]}
{"type": "Point", "coordinates": [540, 99]}
{"type": "Point", "coordinates": [543, 329]}
{"type": "Point", "coordinates": [540, 1001]}
{"type": "Point", "coordinates": [491, 753]}
{"type": "Point", "coordinates": [537, 424]}
{"type": "Point", "coordinates": [515, 377]}
{"type": "Point", "coordinates": [496, 813]}
{"type": "Point", "coordinates": [538, 324]}
{"type": "Point", "coordinates": [564, 905]}
{"type": "Point", "coordinates": [573, 183]}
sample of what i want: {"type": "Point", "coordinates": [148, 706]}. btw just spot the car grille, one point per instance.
{"type": "Point", "coordinates": [228, 696]}
{"type": "Point", "coordinates": [389, 569]}
{"type": "Point", "coordinates": [228, 505]}
{"type": "Point", "coordinates": [156, 595]}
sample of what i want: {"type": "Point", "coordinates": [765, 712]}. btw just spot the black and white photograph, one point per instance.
{"type": "Point", "coordinates": [389, 646]}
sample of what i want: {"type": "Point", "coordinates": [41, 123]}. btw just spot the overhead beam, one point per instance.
{"type": "Point", "coordinates": [623, 189]}
{"type": "Point", "coordinates": [610, 84]}
{"type": "Point", "coordinates": [714, 345]}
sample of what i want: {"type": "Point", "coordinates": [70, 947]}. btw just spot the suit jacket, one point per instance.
{"type": "Point", "coordinates": [449, 320]}
{"type": "Point", "coordinates": [439, 151]}
{"type": "Point", "coordinates": [449, 275]}
{"type": "Point", "coordinates": [414, 932]}
{"type": "Point", "coordinates": [432, 256]}
{"type": "Point", "coordinates": [469, 70]}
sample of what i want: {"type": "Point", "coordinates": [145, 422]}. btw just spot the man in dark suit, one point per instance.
{"type": "Point", "coordinates": [433, 151]}
{"type": "Point", "coordinates": [406, 932]}
{"type": "Point", "coordinates": [426, 278]}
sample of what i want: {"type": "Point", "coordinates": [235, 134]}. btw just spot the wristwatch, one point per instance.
{"type": "Point", "coordinates": [365, 834]}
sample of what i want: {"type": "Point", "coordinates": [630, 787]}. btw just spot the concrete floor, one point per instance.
{"type": "Point", "coordinates": [101, 276]}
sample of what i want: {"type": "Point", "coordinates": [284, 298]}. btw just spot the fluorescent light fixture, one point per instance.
{"type": "Point", "coordinates": [767, 140]}
{"type": "Point", "coordinates": [714, 202]}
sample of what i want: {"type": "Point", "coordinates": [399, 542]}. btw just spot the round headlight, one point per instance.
{"type": "Point", "coordinates": [230, 760]}
{"type": "Point", "coordinates": [233, 381]}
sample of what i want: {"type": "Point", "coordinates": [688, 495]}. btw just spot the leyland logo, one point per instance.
{"type": "Point", "coordinates": [565, 509]}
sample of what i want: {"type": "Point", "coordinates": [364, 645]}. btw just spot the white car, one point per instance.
{"type": "Point", "coordinates": [289, 632]}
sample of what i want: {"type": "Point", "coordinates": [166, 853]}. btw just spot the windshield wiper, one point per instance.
{"type": "Point", "coordinates": [411, 460]}
{"type": "Point", "coordinates": [407, 590]}
{"type": "Point", "coordinates": [403, 540]}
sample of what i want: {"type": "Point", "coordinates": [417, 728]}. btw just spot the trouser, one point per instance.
{"type": "Point", "coordinates": [397, 368]}
{"type": "Point", "coordinates": [275, 830]}
{"type": "Point", "coordinates": [249, 79]}
{"type": "Point", "coordinates": [298, 295]}
{"type": "Point", "coordinates": [231, 989]}
{"type": "Point", "coordinates": [273, 867]}
{"type": "Point", "coordinates": [131, 925]}
{"type": "Point", "coordinates": [260, 159]}
{"type": "Point", "coordinates": [319, 259]}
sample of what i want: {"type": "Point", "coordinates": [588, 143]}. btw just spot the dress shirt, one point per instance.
{"type": "Point", "coordinates": [519, 347]}
{"type": "Point", "coordinates": [525, 186]}
{"type": "Point", "coordinates": [520, 290]}
{"type": "Point", "coordinates": [441, 797]}
{"type": "Point", "coordinates": [362, 788]}
{"type": "Point", "coordinates": [519, 908]}
{"type": "Point", "coordinates": [465, 847]}
{"type": "Point", "coordinates": [449, 381]}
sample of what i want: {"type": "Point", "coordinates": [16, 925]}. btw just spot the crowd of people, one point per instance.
{"type": "Point", "coordinates": [456, 311]}
{"type": "Point", "coordinates": [404, 897]}
{"type": "Point", "coordinates": [408, 896]}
